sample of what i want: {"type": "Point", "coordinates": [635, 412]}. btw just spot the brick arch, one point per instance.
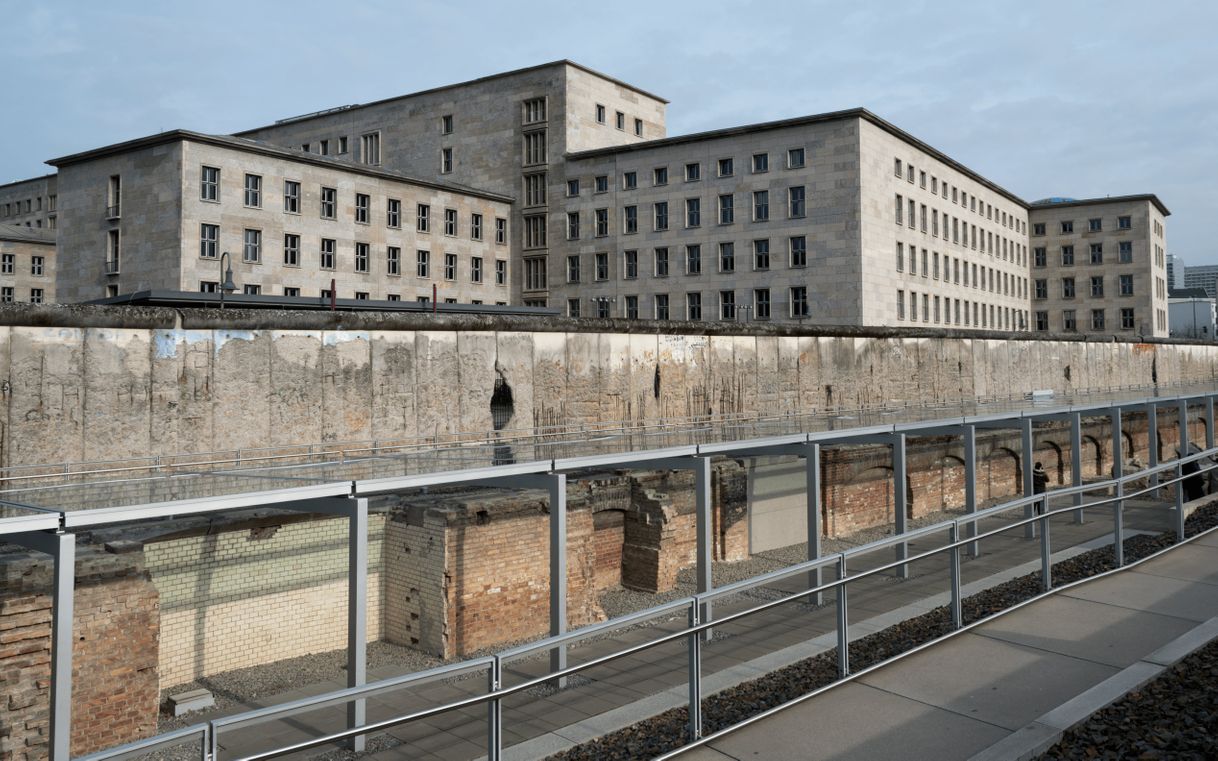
{"type": "Point", "coordinates": [1092, 457]}
{"type": "Point", "coordinates": [1049, 454]}
{"type": "Point", "coordinates": [1127, 449]}
{"type": "Point", "coordinates": [1002, 476]}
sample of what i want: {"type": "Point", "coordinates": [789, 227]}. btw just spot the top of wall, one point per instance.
{"type": "Point", "coordinates": [442, 88]}
{"type": "Point", "coordinates": [1069, 202]}
{"type": "Point", "coordinates": [23, 234]}
{"type": "Point", "coordinates": [165, 318]}
{"type": "Point", "coordinates": [267, 149]}
{"type": "Point", "coordinates": [39, 178]}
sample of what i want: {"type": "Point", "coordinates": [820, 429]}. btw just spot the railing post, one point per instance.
{"type": "Point", "coordinates": [1182, 412]}
{"type": "Point", "coordinates": [1025, 438]}
{"type": "Point", "coordinates": [494, 718]}
{"type": "Point", "coordinates": [812, 484]}
{"type": "Point", "coordinates": [357, 614]}
{"type": "Point", "coordinates": [1046, 551]}
{"type": "Point", "coordinates": [694, 648]}
{"type": "Point", "coordinates": [953, 536]}
{"type": "Point", "coordinates": [705, 540]}
{"type": "Point", "coordinates": [1118, 525]}
{"type": "Point", "coordinates": [1076, 463]}
{"type": "Point", "coordinates": [558, 571]}
{"type": "Point", "coordinates": [970, 485]}
{"type": "Point", "coordinates": [1209, 422]}
{"type": "Point", "coordinates": [843, 622]}
{"type": "Point", "coordinates": [900, 500]}
{"type": "Point", "coordinates": [1152, 445]}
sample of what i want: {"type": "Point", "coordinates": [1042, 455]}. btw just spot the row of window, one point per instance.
{"type": "Point", "coordinates": [1040, 256]}
{"type": "Point", "coordinates": [29, 206]}
{"type": "Point", "coordinates": [758, 304]}
{"type": "Point", "coordinates": [957, 230]}
{"type": "Point", "coordinates": [619, 120]}
{"type": "Point", "coordinates": [949, 311]}
{"type": "Point", "coordinates": [328, 255]}
{"type": "Point", "coordinates": [212, 286]}
{"type": "Point", "coordinates": [796, 208]}
{"type": "Point", "coordinates": [370, 147]}
{"type": "Point", "coordinates": [691, 261]}
{"type": "Point", "coordinates": [983, 277]}
{"type": "Point", "coordinates": [1094, 225]}
{"type": "Point", "coordinates": [906, 171]}
{"type": "Point", "coordinates": [1069, 290]}
{"type": "Point", "coordinates": [8, 295]}
{"type": "Point", "coordinates": [8, 265]}
{"type": "Point", "coordinates": [1099, 320]}
{"type": "Point", "coordinates": [692, 172]}
{"type": "Point", "coordinates": [328, 205]}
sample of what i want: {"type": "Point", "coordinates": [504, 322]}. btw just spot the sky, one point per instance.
{"type": "Point", "coordinates": [1065, 98]}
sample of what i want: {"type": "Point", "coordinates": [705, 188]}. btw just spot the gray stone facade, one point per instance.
{"type": "Point", "coordinates": [27, 264]}
{"type": "Point", "coordinates": [1100, 266]}
{"type": "Point", "coordinates": [30, 203]}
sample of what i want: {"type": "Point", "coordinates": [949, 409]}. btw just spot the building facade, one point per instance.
{"type": "Point", "coordinates": [1203, 276]}
{"type": "Point", "coordinates": [27, 264]}
{"type": "Point", "coordinates": [30, 203]}
{"type": "Point", "coordinates": [161, 212]}
{"type": "Point", "coordinates": [1100, 265]}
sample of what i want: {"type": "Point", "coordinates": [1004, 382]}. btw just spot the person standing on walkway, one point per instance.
{"type": "Point", "coordinates": [1194, 482]}
{"type": "Point", "coordinates": [1040, 480]}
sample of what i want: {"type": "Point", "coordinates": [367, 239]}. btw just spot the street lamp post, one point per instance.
{"type": "Point", "coordinates": [226, 285]}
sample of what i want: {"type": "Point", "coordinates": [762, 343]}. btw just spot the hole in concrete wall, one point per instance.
{"type": "Point", "coordinates": [1154, 369]}
{"type": "Point", "coordinates": [502, 408]}
{"type": "Point", "coordinates": [656, 383]}
{"type": "Point", "coordinates": [1067, 372]}
{"type": "Point", "coordinates": [482, 517]}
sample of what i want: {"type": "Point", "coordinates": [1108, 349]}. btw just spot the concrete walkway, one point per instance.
{"type": "Point", "coordinates": [1008, 688]}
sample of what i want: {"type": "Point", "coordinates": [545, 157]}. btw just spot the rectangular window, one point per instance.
{"type": "Point", "coordinates": [113, 199]}
{"type": "Point", "coordinates": [693, 212]}
{"type": "Point", "coordinates": [727, 257]}
{"type": "Point", "coordinates": [535, 148]}
{"type": "Point", "coordinates": [1040, 289]}
{"type": "Point", "coordinates": [761, 205]}
{"type": "Point", "coordinates": [501, 271]}
{"type": "Point", "coordinates": [795, 202]}
{"type": "Point", "coordinates": [573, 308]}
{"type": "Point", "coordinates": [252, 251]}
{"type": "Point", "coordinates": [500, 231]}
{"type": "Point", "coordinates": [362, 203]}
{"type": "Point", "coordinates": [1067, 227]}
{"type": "Point", "coordinates": [661, 306]}
{"type": "Point", "coordinates": [393, 261]}
{"type": "Point", "coordinates": [693, 172]}
{"type": "Point", "coordinates": [36, 265]}
{"type": "Point", "coordinates": [1126, 285]}
{"type": "Point", "coordinates": [900, 305]}
{"type": "Point", "coordinates": [602, 223]}
{"type": "Point", "coordinates": [446, 160]}
{"type": "Point", "coordinates": [799, 251]}
{"type": "Point", "coordinates": [761, 162]}
{"type": "Point", "coordinates": [475, 269]}
{"type": "Point", "coordinates": [253, 190]}
{"type": "Point", "coordinates": [573, 188]}
{"type": "Point", "coordinates": [1067, 287]}
{"type": "Point", "coordinates": [370, 148]}
{"type": "Point", "coordinates": [291, 250]}
{"type": "Point", "coordinates": [1097, 319]}
{"type": "Point", "coordinates": [601, 261]}
{"type": "Point", "coordinates": [727, 305]}
{"type": "Point", "coordinates": [900, 257]}
{"type": "Point", "coordinates": [727, 212]}
{"type": "Point", "coordinates": [604, 306]}
{"type": "Point", "coordinates": [619, 120]}
{"type": "Point", "coordinates": [900, 210]}
{"type": "Point", "coordinates": [209, 188]}
{"type": "Point", "coordinates": [1097, 253]}
{"type": "Point", "coordinates": [361, 295]}
{"type": "Point", "coordinates": [1127, 318]}
{"type": "Point", "coordinates": [326, 260]}
{"type": "Point", "coordinates": [393, 213]}
{"type": "Point", "coordinates": [535, 189]}
{"type": "Point", "coordinates": [693, 306]}
{"type": "Point", "coordinates": [693, 259]}
{"type": "Point", "coordinates": [661, 257]}
{"type": "Point", "coordinates": [534, 110]}
{"type": "Point", "coordinates": [1067, 256]}
{"type": "Point", "coordinates": [329, 203]}
{"type": "Point", "coordinates": [35, 295]}
{"type": "Point", "coordinates": [450, 266]}
{"type": "Point", "coordinates": [897, 168]}
{"type": "Point", "coordinates": [630, 180]}
{"type": "Point", "coordinates": [446, 124]}
{"type": "Point", "coordinates": [1124, 223]}
{"type": "Point", "coordinates": [475, 226]}
{"type": "Point", "coordinates": [761, 303]}
{"type": "Point", "coordinates": [423, 218]}
{"type": "Point", "coordinates": [361, 257]}
{"type": "Point", "coordinates": [659, 175]}
{"type": "Point", "coordinates": [795, 158]}
{"type": "Point", "coordinates": [726, 167]}
{"type": "Point", "coordinates": [630, 264]}
{"type": "Point", "coordinates": [209, 241]}
{"type": "Point", "coordinates": [761, 254]}
{"type": "Point", "coordinates": [1095, 225]}
{"type": "Point", "coordinates": [291, 197]}
{"type": "Point", "coordinates": [422, 266]}
{"type": "Point", "coordinates": [661, 215]}
{"type": "Point", "coordinates": [1125, 251]}
{"type": "Point", "coordinates": [630, 220]}
{"type": "Point", "coordinates": [251, 290]}
{"type": "Point", "coordinates": [535, 231]}
{"type": "Point", "coordinates": [291, 292]}
{"type": "Point", "coordinates": [450, 222]}
{"type": "Point", "coordinates": [1097, 287]}
{"type": "Point", "coordinates": [6, 294]}
{"type": "Point", "coordinates": [1039, 257]}
{"type": "Point", "coordinates": [572, 225]}
{"type": "Point", "coordinates": [601, 183]}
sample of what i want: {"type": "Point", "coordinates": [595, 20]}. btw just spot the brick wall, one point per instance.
{"type": "Point", "coordinates": [114, 669]}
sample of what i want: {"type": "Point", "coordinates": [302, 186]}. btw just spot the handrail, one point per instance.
{"type": "Point", "coordinates": [131, 749]}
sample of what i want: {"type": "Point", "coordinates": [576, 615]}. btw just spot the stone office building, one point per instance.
{"type": "Point", "coordinates": [160, 212]}
{"type": "Point", "coordinates": [1100, 265]}
{"type": "Point", "coordinates": [27, 264]}
{"type": "Point", "coordinates": [30, 203]}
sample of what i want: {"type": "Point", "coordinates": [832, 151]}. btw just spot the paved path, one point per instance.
{"type": "Point", "coordinates": [1005, 689]}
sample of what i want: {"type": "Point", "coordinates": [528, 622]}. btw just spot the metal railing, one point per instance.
{"type": "Point", "coordinates": [695, 632]}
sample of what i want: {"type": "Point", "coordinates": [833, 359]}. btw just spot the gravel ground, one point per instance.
{"type": "Point", "coordinates": [667, 731]}
{"type": "Point", "coordinates": [1173, 717]}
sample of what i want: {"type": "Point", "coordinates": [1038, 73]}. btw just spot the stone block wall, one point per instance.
{"type": "Point", "coordinates": [116, 627]}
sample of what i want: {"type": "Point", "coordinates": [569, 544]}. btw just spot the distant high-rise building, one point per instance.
{"type": "Point", "coordinates": [1204, 276]}
{"type": "Point", "coordinates": [1175, 272]}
